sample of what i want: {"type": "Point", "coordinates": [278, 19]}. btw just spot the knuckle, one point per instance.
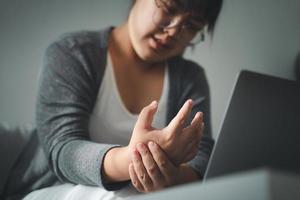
{"type": "Point", "coordinates": [162, 163]}
{"type": "Point", "coordinates": [169, 138]}
{"type": "Point", "coordinates": [152, 170]}
{"type": "Point", "coordinates": [143, 177]}
{"type": "Point", "coordinates": [134, 182]}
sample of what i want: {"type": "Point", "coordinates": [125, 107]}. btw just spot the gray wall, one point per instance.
{"type": "Point", "coordinates": [259, 35]}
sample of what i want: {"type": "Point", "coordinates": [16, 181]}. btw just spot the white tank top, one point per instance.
{"type": "Point", "coordinates": [110, 121]}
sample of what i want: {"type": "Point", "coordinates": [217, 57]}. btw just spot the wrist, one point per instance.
{"type": "Point", "coordinates": [115, 164]}
{"type": "Point", "coordinates": [187, 174]}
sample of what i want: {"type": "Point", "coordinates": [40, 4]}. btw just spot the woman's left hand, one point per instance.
{"type": "Point", "coordinates": [151, 170]}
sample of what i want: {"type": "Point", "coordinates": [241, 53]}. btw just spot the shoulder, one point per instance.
{"type": "Point", "coordinates": [83, 41]}
{"type": "Point", "coordinates": [78, 39]}
{"type": "Point", "coordinates": [77, 57]}
{"type": "Point", "coordinates": [81, 50]}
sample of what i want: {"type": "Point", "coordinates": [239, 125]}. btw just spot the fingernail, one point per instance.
{"type": "Point", "coordinates": [153, 104]}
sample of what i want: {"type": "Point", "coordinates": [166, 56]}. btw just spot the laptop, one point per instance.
{"type": "Point", "coordinates": [261, 127]}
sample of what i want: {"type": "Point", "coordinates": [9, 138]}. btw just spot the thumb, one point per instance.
{"type": "Point", "coordinates": [146, 116]}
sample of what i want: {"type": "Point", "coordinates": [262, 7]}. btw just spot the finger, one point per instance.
{"type": "Point", "coordinates": [151, 167]}
{"type": "Point", "coordinates": [167, 169]}
{"type": "Point", "coordinates": [179, 120]}
{"type": "Point", "coordinates": [196, 127]}
{"type": "Point", "coordinates": [134, 179]}
{"type": "Point", "coordinates": [193, 132]}
{"type": "Point", "coordinates": [196, 122]}
{"type": "Point", "coordinates": [192, 148]}
{"type": "Point", "coordinates": [197, 118]}
{"type": "Point", "coordinates": [146, 116]}
{"type": "Point", "coordinates": [140, 171]}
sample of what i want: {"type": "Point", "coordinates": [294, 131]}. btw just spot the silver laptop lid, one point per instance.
{"type": "Point", "coordinates": [261, 127]}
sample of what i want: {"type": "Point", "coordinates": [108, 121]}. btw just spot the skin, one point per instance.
{"type": "Point", "coordinates": [139, 50]}
{"type": "Point", "coordinates": [151, 170]}
{"type": "Point", "coordinates": [178, 141]}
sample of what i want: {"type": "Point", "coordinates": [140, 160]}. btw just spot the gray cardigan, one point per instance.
{"type": "Point", "coordinates": [68, 85]}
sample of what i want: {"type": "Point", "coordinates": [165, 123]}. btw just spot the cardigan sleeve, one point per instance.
{"type": "Point", "coordinates": [66, 95]}
{"type": "Point", "coordinates": [195, 86]}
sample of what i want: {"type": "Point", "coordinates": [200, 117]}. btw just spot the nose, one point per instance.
{"type": "Point", "coordinates": [175, 28]}
{"type": "Point", "coordinates": [173, 31]}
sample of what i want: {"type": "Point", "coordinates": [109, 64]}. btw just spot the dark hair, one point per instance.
{"type": "Point", "coordinates": [209, 10]}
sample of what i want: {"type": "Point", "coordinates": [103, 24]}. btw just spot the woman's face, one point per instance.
{"type": "Point", "coordinates": [151, 42]}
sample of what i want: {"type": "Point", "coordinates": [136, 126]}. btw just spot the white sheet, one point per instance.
{"type": "Point", "coordinates": [79, 192]}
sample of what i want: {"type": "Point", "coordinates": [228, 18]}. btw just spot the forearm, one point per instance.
{"type": "Point", "coordinates": [115, 165]}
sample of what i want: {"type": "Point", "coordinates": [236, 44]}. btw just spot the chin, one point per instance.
{"type": "Point", "coordinates": [152, 57]}
{"type": "Point", "coordinates": [146, 53]}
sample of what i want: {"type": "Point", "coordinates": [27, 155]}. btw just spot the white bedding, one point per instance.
{"type": "Point", "coordinates": [79, 192]}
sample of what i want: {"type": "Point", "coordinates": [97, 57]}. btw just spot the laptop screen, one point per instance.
{"type": "Point", "coordinates": [261, 127]}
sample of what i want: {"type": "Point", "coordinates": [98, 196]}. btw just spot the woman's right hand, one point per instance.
{"type": "Point", "coordinates": [180, 143]}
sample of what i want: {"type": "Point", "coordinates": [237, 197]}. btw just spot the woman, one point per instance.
{"type": "Point", "coordinates": [123, 105]}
